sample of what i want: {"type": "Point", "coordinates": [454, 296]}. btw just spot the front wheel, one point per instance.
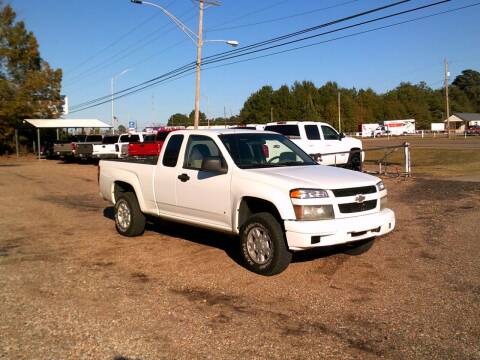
{"type": "Point", "coordinates": [129, 219]}
{"type": "Point", "coordinates": [355, 161]}
{"type": "Point", "coordinates": [263, 246]}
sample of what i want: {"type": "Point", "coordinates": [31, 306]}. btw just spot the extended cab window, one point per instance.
{"type": "Point", "coordinates": [198, 148]}
{"type": "Point", "coordinates": [94, 138]}
{"type": "Point", "coordinates": [329, 133]}
{"type": "Point", "coordinates": [312, 132]}
{"type": "Point", "coordinates": [290, 131]}
{"type": "Point", "coordinates": [170, 157]}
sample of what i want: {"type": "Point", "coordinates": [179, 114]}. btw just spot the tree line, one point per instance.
{"type": "Point", "coordinates": [29, 87]}
{"type": "Point", "coordinates": [304, 101]}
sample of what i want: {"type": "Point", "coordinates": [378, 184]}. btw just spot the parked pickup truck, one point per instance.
{"type": "Point", "coordinates": [65, 149]}
{"type": "Point", "coordinates": [84, 150]}
{"type": "Point", "coordinates": [318, 139]}
{"type": "Point", "coordinates": [125, 139]}
{"type": "Point", "coordinates": [107, 149]}
{"type": "Point", "coordinates": [230, 181]}
{"type": "Point", "coordinates": [151, 145]}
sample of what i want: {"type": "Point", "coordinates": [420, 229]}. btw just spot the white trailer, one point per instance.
{"type": "Point", "coordinates": [368, 129]}
{"type": "Point", "coordinates": [437, 127]}
{"type": "Point", "coordinates": [400, 127]}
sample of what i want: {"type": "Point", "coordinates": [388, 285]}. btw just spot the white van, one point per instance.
{"type": "Point", "coordinates": [318, 139]}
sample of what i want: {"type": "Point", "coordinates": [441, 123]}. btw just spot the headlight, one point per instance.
{"type": "Point", "coordinates": [314, 212]}
{"type": "Point", "coordinates": [380, 186]}
{"type": "Point", "coordinates": [308, 194]}
{"type": "Point", "coordinates": [383, 203]}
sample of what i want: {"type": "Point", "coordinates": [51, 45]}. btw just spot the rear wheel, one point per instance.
{"type": "Point", "coordinates": [359, 247]}
{"type": "Point", "coordinates": [263, 246]}
{"type": "Point", "coordinates": [129, 219]}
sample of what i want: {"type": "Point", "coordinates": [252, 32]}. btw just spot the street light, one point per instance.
{"type": "Point", "coordinates": [197, 39]}
{"type": "Point", "coordinates": [112, 88]}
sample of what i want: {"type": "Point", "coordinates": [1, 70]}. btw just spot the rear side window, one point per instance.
{"type": "Point", "coordinates": [110, 139]}
{"type": "Point", "coordinates": [290, 131]}
{"type": "Point", "coordinates": [94, 138]}
{"type": "Point", "coordinates": [312, 132]}
{"type": "Point", "coordinates": [170, 157]}
{"type": "Point", "coordinates": [161, 136]}
{"type": "Point", "coordinates": [147, 138]}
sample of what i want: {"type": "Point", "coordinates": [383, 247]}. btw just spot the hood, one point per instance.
{"type": "Point", "coordinates": [314, 176]}
{"type": "Point", "coordinates": [353, 142]}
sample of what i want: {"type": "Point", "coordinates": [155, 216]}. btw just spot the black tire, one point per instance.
{"type": "Point", "coordinates": [359, 247]}
{"type": "Point", "coordinates": [278, 256]}
{"type": "Point", "coordinates": [129, 219]}
{"type": "Point", "coordinates": [355, 161]}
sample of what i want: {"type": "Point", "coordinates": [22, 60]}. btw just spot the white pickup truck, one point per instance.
{"type": "Point", "coordinates": [233, 181]}
{"type": "Point", "coordinates": [116, 146]}
{"type": "Point", "coordinates": [319, 139]}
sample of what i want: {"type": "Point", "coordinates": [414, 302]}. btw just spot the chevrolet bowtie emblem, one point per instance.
{"type": "Point", "coordinates": [360, 199]}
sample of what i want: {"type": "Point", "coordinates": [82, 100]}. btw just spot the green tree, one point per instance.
{"type": "Point", "coordinates": [122, 129]}
{"type": "Point", "coordinates": [258, 106]}
{"type": "Point", "coordinates": [202, 118]}
{"type": "Point", "coordinates": [468, 96]}
{"type": "Point", "coordinates": [29, 87]}
{"type": "Point", "coordinates": [178, 120]}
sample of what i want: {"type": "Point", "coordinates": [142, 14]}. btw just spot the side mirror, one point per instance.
{"type": "Point", "coordinates": [213, 164]}
{"type": "Point", "coordinates": [342, 135]}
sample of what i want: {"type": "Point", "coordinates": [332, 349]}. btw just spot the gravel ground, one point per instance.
{"type": "Point", "coordinates": [71, 287]}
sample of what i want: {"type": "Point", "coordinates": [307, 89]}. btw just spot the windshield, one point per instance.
{"type": "Point", "coordinates": [261, 150]}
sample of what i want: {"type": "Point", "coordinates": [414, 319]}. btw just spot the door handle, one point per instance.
{"type": "Point", "coordinates": [183, 177]}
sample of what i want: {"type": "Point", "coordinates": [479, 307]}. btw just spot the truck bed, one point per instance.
{"type": "Point", "coordinates": [146, 160]}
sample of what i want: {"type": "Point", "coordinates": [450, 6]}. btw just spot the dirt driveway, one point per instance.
{"type": "Point", "coordinates": [71, 287]}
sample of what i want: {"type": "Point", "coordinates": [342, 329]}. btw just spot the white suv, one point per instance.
{"type": "Point", "coordinates": [318, 139]}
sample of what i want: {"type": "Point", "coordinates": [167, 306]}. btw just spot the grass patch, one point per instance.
{"type": "Point", "coordinates": [431, 162]}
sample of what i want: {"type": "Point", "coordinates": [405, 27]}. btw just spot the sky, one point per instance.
{"type": "Point", "coordinates": [95, 41]}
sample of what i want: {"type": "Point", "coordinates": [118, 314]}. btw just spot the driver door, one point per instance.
{"type": "Point", "coordinates": [333, 145]}
{"type": "Point", "coordinates": [202, 196]}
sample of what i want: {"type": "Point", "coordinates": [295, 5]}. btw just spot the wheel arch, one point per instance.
{"type": "Point", "coordinates": [250, 205]}
{"type": "Point", "coordinates": [121, 186]}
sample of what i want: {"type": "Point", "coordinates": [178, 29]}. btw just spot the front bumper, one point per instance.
{"type": "Point", "coordinates": [303, 235]}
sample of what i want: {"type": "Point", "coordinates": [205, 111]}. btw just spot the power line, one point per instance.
{"type": "Point", "coordinates": [226, 57]}
{"type": "Point", "coordinates": [174, 74]}
{"type": "Point", "coordinates": [210, 59]}
{"type": "Point", "coordinates": [269, 7]}
{"type": "Point", "coordinates": [281, 18]}
{"type": "Point", "coordinates": [345, 37]}
{"type": "Point", "coordinates": [125, 52]}
{"type": "Point", "coordinates": [303, 31]}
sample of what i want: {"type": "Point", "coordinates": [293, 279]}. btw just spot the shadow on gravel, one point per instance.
{"type": "Point", "coordinates": [9, 165]}
{"type": "Point", "coordinates": [225, 242]}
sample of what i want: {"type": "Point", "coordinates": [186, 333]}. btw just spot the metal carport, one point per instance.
{"type": "Point", "coordinates": [62, 124]}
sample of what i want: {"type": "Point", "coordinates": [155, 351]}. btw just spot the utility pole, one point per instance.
{"type": "Point", "coordinates": [447, 74]}
{"type": "Point", "coordinates": [271, 114]}
{"type": "Point", "coordinates": [199, 64]}
{"type": "Point", "coordinates": [225, 115]}
{"type": "Point", "coordinates": [339, 115]}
